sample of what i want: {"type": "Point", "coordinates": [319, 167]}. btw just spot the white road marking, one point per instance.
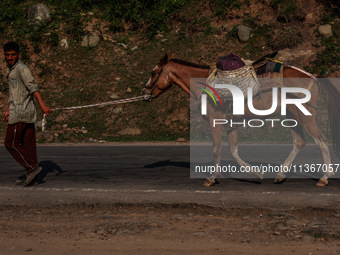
{"type": "Point", "coordinates": [329, 194]}
{"type": "Point", "coordinates": [206, 192]}
{"type": "Point", "coordinates": [68, 189]}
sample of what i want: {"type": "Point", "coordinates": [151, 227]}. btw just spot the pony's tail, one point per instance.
{"type": "Point", "coordinates": [331, 96]}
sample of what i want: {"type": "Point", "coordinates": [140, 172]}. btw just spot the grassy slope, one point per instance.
{"type": "Point", "coordinates": [91, 75]}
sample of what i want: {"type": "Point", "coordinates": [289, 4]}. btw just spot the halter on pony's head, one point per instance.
{"type": "Point", "coordinates": [154, 78]}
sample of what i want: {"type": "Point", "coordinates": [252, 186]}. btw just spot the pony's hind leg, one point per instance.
{"type": "Point", "coordinates": [314, 131]}
{"type": "Point", "coordinates": [233, 147]}
{"type": "Point", "coordinates": [298, 143]}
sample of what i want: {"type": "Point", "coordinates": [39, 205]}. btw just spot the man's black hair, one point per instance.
{"type": "Point", "coordinates": [11, 46]}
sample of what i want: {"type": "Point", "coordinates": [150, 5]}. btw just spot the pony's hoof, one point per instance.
{"type": "Point", "coordinates": [259, 175]}
{"type": "Point", "coordinates": [209, 182]}
{"type": "Point", "coordinates": [322, 183]}
{"type": "Point", "coordinates": [279, 180]}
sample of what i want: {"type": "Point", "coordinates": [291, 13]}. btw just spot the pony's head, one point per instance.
{"type": "Point", "coordinates": [158, 81]}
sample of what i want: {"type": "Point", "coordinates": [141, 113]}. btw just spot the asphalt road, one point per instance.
{"type": "Point", "coordinates": [158, 174]}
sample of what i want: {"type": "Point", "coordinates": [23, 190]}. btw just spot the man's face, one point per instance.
{"type": "Point", "coordinates": [11, 57]}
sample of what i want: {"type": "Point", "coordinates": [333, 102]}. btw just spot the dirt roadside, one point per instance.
{"type": "Point", "coordinates": [167, 229]}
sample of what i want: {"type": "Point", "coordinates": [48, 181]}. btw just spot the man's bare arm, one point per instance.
{"type": "Point", "coordinates": [47, 110]}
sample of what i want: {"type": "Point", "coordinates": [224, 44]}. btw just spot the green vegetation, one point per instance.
{"type": "Point", "coordinates": [3, 84]}
{"type": "Point", "coordinates": [150, 15]}
{"type": "Point", "coordinates": [287, 10]}
{"type": "Point", "coordinates": [222, 7]}
{"type": "Point", "coordinates": [154, 15]}
{"type": "Point", "coordinates": [288, 38]}
{"type": "Point", "coordinates": [317, 233]}
{"type": "Point", "coordinates": [328, 60]}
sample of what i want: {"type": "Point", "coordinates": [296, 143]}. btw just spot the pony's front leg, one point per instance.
{"type": "Point", "coordinates": [233, 147]}
{"type": "Point", "coordinates": [217, 146]}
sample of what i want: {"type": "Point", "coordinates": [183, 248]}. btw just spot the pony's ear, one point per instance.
{"type": "Point", "coordinates": [164, 60]}
{"type": "Point", "coordinates": [172, 56]}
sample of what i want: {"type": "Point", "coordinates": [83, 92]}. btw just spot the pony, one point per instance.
{"type": "Point", "coordinates": [171, 71]}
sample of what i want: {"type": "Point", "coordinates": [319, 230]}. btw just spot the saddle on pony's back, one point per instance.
{"type": "Point", "coordinates": [269, 71]}
{"type": "Point", "coordinates": [229, 62]}
{"type": "Point", "coordinates": [260, 75]}
{"type": "Point", "coordinates": [231, 69]}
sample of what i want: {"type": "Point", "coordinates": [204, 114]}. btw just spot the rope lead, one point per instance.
{"type": "Point", "coordinates": [122, 101]}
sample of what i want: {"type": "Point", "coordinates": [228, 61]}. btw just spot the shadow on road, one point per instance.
{"type": "Point", "coordinates": [168, 163]}
{"type": "Point", "coordinates": [48, 166]}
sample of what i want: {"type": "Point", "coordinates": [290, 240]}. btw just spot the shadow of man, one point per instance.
{"type": "Point", "coordinates": [48, 166]}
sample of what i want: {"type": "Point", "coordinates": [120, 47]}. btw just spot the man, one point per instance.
{"type": "Point", "coordinates": [21, 113]}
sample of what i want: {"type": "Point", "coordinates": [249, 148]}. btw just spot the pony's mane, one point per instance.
{"type": "Point", "coordinates": [186, 63]}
